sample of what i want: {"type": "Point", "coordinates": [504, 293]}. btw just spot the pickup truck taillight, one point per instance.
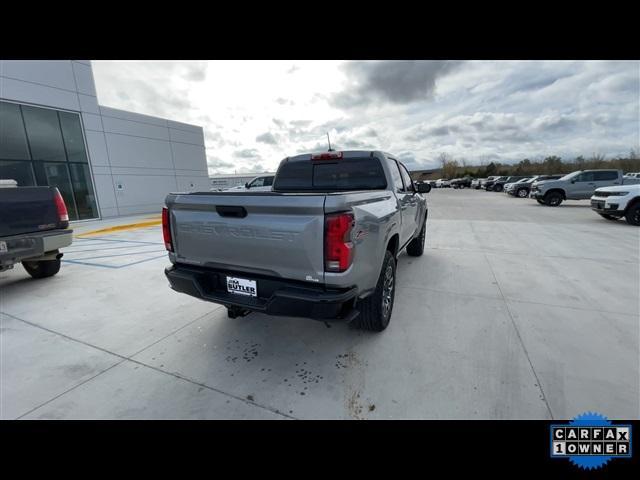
{"type": "Point", "coordinates": [338, 247]}
{"type": "Point", "coordinates": [166, 229]}
{"type": "Point", "coordinates": [63, 215]}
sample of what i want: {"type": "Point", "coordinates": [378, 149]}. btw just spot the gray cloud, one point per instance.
{"type": "Point", "coordinates": [196, 71]}
{"type": "Point", "coordinates": [268, 138]}
{"type": "Point", "coordinates": [398, 82]}
{"type": "Point", "coordinates": [246, 153]}
{"type": "Point", "coordinates": [353, 144]}
{"type": "Point", "coordinates": [257, 168]}
{"type": "Point", "coordinates": [300, 123]}
{"type": "Point", "coordinates": [215, 162]}
{"type": "Point", "coordinates": [481, 110]}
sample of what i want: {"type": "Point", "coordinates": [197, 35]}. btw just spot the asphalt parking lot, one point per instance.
{"type": "Point", "coordinates": [515, 311]}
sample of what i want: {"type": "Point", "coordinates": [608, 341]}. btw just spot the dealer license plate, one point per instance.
{"type": "Point", "coordinates": [242, 286]}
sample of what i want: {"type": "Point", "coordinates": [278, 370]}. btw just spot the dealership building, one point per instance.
{"type": "Point", "coordinates": [105, 162]}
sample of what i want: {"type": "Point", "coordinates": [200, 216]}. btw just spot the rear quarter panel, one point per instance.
{"type": "Point", "coordinates": [377, 219]}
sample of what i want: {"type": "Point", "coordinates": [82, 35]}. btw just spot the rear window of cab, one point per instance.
{"type": "Point", "coordinates": [331, 175]}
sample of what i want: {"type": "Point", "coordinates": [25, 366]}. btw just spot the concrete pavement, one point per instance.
{"type": "Point", "coordinates": [514, 311]}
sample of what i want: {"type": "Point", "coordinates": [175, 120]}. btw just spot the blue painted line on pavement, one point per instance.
{"type": "Point", "coordinates": [79, 250]}
{"type": "Point", "coordinates": [114, 267]}
{"type": "Point", "coordinates": [119, 255]}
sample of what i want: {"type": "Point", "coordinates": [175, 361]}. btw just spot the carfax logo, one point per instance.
{"type": "Point", "coordinates": [590, 440]}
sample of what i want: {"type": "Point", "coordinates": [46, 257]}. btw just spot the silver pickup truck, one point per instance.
{"type": "Point", "coordinates": [578, 185]}
{"type": "Point", "coordinates": [322, 244]}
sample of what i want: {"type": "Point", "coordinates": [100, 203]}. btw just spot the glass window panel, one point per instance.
{"type": "Point", "coordinates": [57, 175]}
{"type": "Point", "coordinates": [72, 134]}
{"type": "Point", "coordinates": [585, 177]}
{"type": "Point", "coordinates": [406, 178]}
{"type": "Point", "coordinates": [13, 141]}
{"type": "Point", "coordinates": [43, 131]}
{"type": "Point", "coordinates": [83, 191]}
{"type": "Point", "coordinates": [19, 171]}
{"type": "Point", "coordinates": [395, 175]}
{"type": "Point", "coordinates": [603, 176]}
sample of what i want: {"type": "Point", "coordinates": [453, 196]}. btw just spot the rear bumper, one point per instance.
{"type": "Point", "coordinates": [30, 246]}
{"type": "Point", "coordinates": [275, 295]}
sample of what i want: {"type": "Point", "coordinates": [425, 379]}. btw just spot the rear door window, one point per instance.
{"type": "Point", "coordinates": [603, 176]}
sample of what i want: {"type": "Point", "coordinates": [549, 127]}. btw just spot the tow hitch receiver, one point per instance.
{"type": "Point", "coordinates": [234, 312]}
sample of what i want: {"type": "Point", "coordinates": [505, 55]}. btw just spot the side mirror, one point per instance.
{"type": "Point", "coordinates": [423, 187]}
{"type": "Point", "coordinates": [246, 185]}
{"type": "Point", "coordinates": [573, 181]}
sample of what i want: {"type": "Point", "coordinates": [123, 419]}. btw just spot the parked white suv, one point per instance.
{"type": "Point", "coordinates": [613, 203]}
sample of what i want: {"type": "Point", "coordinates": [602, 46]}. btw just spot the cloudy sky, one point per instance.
{"type": "Point", "coordinates": [254, 113]}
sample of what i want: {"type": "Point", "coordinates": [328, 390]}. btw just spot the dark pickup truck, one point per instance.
{"type": "Point", "coordinates": [33, 228]}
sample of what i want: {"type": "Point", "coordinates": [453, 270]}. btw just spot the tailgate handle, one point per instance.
{"type": "Point", "coordinates": [228, 211]}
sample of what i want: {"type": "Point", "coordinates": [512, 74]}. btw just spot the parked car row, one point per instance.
{"type": "Point", "coordinates": [612, 194]}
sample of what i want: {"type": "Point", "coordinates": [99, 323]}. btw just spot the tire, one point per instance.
{"type": "Point", "coordinates": [376, 309]}
{"type": "Point", "coordinates": [498, 188]}
{"type": "Point", "coordinates": [553, 199]}
{"type": "Point", "coordinates": [415, 248]}
{"type": "Point", "coordinates": [42, 268]}
{"type": "Point", "coordinates": [608, 217]}
{"type": "Point", "coordinates": [522, 193]}
{"type": "Point", "coordinates": [633, 214]}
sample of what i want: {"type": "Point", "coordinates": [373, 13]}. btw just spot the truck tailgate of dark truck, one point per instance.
{"type": "Point", "coordinates": [33, 227]}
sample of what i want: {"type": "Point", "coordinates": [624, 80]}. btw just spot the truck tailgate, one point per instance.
{"type": "Point", "coordinates": [262, 233]}
{"type": "Point", "coordinates": [27, 210]}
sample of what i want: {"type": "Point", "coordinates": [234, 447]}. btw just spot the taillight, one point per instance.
{"type": "Point", "coordinates": [327, 156]}
{"type": "Point", "coordinates": [63, 215]}
{"type": "Point", "coordinates": [338, 247]}
{"type": "Point", "coordinates": [166, 229]}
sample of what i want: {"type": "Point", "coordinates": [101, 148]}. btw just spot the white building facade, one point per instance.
{"type": "Point", "coordinates": [105, 162]}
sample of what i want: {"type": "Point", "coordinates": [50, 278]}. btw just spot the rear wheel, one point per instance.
{"type": "Point", "coordinates": [416, 246]}
{"type": "Point", "coordinates": [497, 188]}
{"type": "Point", "coordinates": [553, 199]}
{"type": "Point", "coordinates": [608, 217]}
{"type": "Point", "coordinates": [633, 214]}
{"type": "Point", "coordinates": [375, 310]}
{"type": "Point", "coordinates": [42, 268]}
{"type": "Point", "coordinates": [522, 192]}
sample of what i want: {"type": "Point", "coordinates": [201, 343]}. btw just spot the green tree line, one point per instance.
{"type": "Point", "coordinates": [453, 168]}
